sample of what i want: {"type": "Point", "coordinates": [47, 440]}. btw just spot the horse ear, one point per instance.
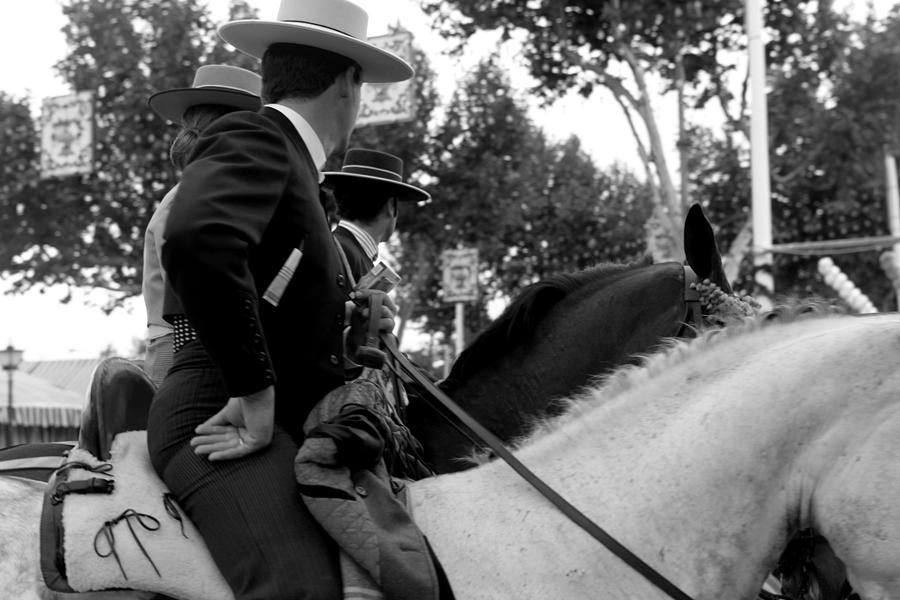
{"type": "Point", "coordinates": [701, 250]}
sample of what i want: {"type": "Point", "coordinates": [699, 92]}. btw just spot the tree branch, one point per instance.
{"type": "Point", "coordinates": [813, 155]}
{"type": "Point", "coordinates": [737, 123]}
{"type": "Point", "coordinates": [645, 109]}
{"type": "Point", "coordinates": [642, 150]}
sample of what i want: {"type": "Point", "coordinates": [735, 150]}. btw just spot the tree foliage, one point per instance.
{"type": "Point", "coordinates": [833, 89]}
{"type": "Point", "coordinates": [617, 45]}
{"type": "Point", "coordinates": [831, 121]}
{"type": "Point", "coordinates": [530, 206]}
{"type": "Point", "coordinates": [88, 230]}
{"type": "Point", "coordinates": [839, 191]}
{"type": "Point", "coordinates": [690, 46]}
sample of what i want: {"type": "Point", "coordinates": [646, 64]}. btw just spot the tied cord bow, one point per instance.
{"type": "Point", "coordinates": [106, 532]}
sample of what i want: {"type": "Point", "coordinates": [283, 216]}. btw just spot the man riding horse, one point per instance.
{"type": "Point", "coordinates": [250, 255]}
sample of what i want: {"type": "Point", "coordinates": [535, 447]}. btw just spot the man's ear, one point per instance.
{"type": "Point", "coordinates": [390, 207]}
{"type": "Point", "coordinates": [347, 81]}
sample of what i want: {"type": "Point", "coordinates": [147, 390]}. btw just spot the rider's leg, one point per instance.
{"type": "Point", "coordinates": [249, 510]}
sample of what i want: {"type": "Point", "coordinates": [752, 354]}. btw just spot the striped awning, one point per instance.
{"type": "Point", "coordinates": [38, 403]}
{"type": "Point", "coordinates": [43, 416]}
{"type": "Point", "coordinates": [70, 374]}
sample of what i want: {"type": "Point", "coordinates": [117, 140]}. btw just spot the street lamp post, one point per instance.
{"type": "Point", "coordinates": [10, 359]}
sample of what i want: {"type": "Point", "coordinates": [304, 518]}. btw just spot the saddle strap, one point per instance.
{"type": "Point", "coordinates": [53, 562]}
{"type": "Point", "coordinates": [94, 485]}
{"type": "Point", "coordinates": [451, 411]}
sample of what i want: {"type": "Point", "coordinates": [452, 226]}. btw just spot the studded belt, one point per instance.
{"type": "Point", "coordinates": [184, 332]}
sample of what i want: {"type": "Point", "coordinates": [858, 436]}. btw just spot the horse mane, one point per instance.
{"type": "Point", "coordinates": [517, 322]}
{"type": "Point", "coordinates": [672, 352]}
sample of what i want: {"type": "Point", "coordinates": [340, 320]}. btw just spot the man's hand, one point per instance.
{"type": "Point", "coordinates": [362, 343]}
{"type": "Point", "coordinates": [242, 427]}
{"type": "Point", "coordinates": [360, 315]}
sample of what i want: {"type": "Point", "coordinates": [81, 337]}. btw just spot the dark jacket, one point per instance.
{"type": "Point", "coordinates": [248, 197]}
{"type": "Point", "coordinates": [360, 263]}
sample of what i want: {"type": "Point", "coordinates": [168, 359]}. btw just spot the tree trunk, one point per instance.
{"type": "Point", "coordinates": [664, 230]}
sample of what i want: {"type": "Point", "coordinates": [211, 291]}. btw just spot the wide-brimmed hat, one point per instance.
{"type": "Point", "coordinates": [213, 84]}
{"type": "Point", "coordinates": [374, 173]}
{"type": "Point", "coordinates": [338, 26]}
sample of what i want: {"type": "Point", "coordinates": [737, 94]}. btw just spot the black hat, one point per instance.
{"type": "Point", "coordinates": [373, 168]}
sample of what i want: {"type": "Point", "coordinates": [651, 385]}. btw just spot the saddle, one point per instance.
{"type": "Point", "coordinates": [118, 400]}
{"type": "Point", "coordinates": [108, 521]}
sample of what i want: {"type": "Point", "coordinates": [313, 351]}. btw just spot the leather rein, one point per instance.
{"type": "Point", "coordinates": [460, 419]}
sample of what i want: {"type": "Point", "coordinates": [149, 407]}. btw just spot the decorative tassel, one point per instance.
{"type": "Point", "coordinates": [276, 289]}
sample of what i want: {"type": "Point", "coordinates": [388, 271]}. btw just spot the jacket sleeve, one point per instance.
{"type": "Point", "coordinates": [227, 196]}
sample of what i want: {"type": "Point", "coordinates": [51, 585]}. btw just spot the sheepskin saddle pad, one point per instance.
{"type": "Point", "coordinates": [113, 524]}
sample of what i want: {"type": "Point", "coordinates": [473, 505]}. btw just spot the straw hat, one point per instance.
{"type": "Point", "coordinates": [374, 174]}
{"type": "Point", "coordinates": [213, 84]}
{"type": "Point", "coordinates": [338, 26]}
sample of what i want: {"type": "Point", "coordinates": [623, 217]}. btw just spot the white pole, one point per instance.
{"type": "Point", "coordinates": [759, 152]}
{"type": "Point", "coordinates": [893, 195]}
{"type": "Point", "coordinates": [460, 328]}
{"type": "Point", "coordinates": [893, 204]}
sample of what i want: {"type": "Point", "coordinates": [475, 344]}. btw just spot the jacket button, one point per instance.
{"type": "Point", "coordinates": [334, 359]}
{"type": "Point", "coordinates": [339, 320]}
{"type": "Point", "coordinates": [340, 279]}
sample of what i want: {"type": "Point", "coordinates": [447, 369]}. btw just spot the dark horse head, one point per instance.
{"type": "Point", "coordinates": [556, 336]}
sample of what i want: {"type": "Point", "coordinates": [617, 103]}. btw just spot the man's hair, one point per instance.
{"type": "Point", "coordinates": [329, 203]}
{"type": "Point", "coordinates": [195, 120]}
{"type": "Point", "coordinates": [295, 71]}
{"type": "Point", "coordinates": [360, 203]}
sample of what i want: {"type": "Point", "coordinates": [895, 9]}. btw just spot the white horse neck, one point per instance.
{"type": "Point", "coordinates": [703, 470]}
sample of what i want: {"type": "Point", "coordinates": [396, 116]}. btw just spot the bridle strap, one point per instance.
{"type": "Point", "coordinates": [450, 410]}
{"type": "Point", "coordinates": [693, 315]}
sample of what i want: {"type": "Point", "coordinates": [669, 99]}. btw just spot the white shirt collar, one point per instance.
{"type": "Point", "coordinates": [369, 246]}
{"type": "Point", "coordinates": [307, 134]}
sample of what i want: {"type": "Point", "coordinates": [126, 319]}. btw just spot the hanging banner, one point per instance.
{"type": "Point", "coordinates": [67, 135]}
{"type": "Point", "coordinates": [389, 102]}
{"type": "Point", "coordinates": [460, 275]}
